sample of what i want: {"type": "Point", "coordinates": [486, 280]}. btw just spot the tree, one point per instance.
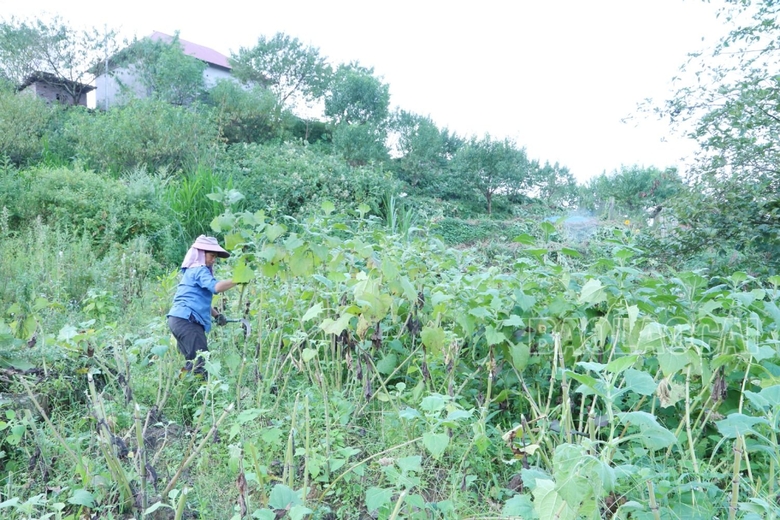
{"type": "Point", "coordinates": [63, 54]}
{"type": "Point", "coordinates": [554, 184]}
{"type": "Point", "coordinates": [285, 66]}
{"type": "Point", "coordinates": [356, 96]}
{"type": "Point", "coordinates": [631, 189]}
{"type": "Point", "coordinates": [424, 151]}
{"type": "Point", "coordinates": [491, 167]}
{"type": "Point", "coordinates": [358, 104]}
{"type": "Point", "coordinates": [246, 116]}
{"type": "Point", "coordinates": [728, 100]}
{"type": "Point", "coordinates": [164, 70]}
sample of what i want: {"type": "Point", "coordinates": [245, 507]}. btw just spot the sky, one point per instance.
{"type": "Point", "coordinates": [556, 76]}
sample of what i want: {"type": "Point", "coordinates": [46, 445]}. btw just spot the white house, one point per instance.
{"type": "Point", "coordinates": [109, 92]}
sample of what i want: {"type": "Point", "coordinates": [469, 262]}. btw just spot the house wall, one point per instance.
{"type": "Point", "coordinates": [117, 88]}
{"type": "Point", "coordinates": [111, 88]}
{"type": "Point", "coordinates": [214, 74]}
{"type": "Point", "coordinates": [52, 94]}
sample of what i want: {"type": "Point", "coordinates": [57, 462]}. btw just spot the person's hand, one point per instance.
{"type": "Point", "coordinates": [221, 320]}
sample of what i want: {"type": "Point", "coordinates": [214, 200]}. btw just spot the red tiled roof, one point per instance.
{"type": "Point", "coordinates": [197, 51]}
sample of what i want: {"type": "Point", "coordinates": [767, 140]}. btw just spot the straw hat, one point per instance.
{"type": "Point", "coordinates": [205, 243]}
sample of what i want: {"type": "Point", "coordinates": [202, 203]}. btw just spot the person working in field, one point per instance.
{"type": "Point", "coordinates": [190, 316]}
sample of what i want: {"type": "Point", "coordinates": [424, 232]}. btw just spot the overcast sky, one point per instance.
{"type": "Point", "coordinates": [557, 76]}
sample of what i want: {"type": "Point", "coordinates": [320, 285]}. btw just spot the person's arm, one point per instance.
{"type": "Point", "coordinates": [224, 285]}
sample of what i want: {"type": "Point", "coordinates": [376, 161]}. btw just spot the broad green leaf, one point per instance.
{"type": "Point", "coordinates": [549, 503]}
{"type": "Point", "coordinates": [571, 252]}
{"type": "Point", "coordinates": [40, 304]}
{"type": "Point", "coordinates": [82, 497]}
{"type": "Point", "coordinates": [274, 231]}
{"type": "Point", "coordinates": [410, 463]}
{"type": "Point", "coordinates": [592, 366]}
{"type": "Point", "coordinates": [653, 435]}
{"type": "Point", "coordinates": [768, 397]}
{"type": "Point", "coordinates": [301, 262]}
{"type": "Point", "coordinates": [633, 314]}
{"type": "Point", "coordinates": [263, 514]}
{"type": "Point", "coordinates": [525, 239]}
{"type": "Point", "coordinates": [250, 414]}
{"type": "Point", "coordinates": [336, 327]}
{"type": "Point", "coordinates": [521, 354]}
{"type": "Point", "coordinates": [377, 497]}
{"type": "Point", "coordinates": [283, 497]}
{"type": "Point", "coordinates": [525, 301]}
{"type": "Point", "coordinates": [387, 364]}
{"type": "Point", "coordinates": [480, 312]}
{"type": "Point", "coordinates": [299, 512]}
{"type": "Point", "coordinates": [308, 354]}
{"type": "Point", "coordinates": [602, 329]}
{"type": "Point", "coordinates": [519, 506]}
{"type": "Point", "coordinates": [327, 207]}
{"type": "Point", "coordinates": [760, 353]}
{"type": "Point", "coordinates": [389, 269]}
{"type": "Point", "coordinates": [494, 337]}
{"type": "Point", "coordinates": [672, 362]}
{"type": "Point", "coordinates": [547, 227]}
{"type": "Point", "coordinates": [269, 252]}
{"type": "Point", "coordinates": [67, 333]}
{"type": "Point", "coordinates": [233, 240]}
{"type": "Point", "coordinates": [409, 293]}
{"type": "Point", "coordinates": [592, 292]}
{"type": "Point", "coordinates": [590, 385]}
{"type": "Point", "coordinates": [619, 364]}
{"type": "Point", "coordinates": [314, 311]}
{"type": "Point", "coordinates": [433, 338]}
{"type": "Point", "coordinates": [457, 415]}
{"type": "Point", "coordinates": [623, 253]}
{"type": "Point", "coordinates": [222, 223]}
{"type": "Point", "coordinates": [11, 502]}
{"type": "Point", "coordinates": [409, 414]}
{"type": "Point", "coordinates": [513, 321]}
{"type": "Point", "coordinates": [436, 443]}
{"type": "Point", "coordinates": [573, 466]}
{"type": "Point", "coordinates": [738, 424]}
{"type": "Point", "coordinates": [640, 382]}
{"type": "Point", "coordinates": [652, 336]}
{"type": "Point", "coordinates": [242, 273]}
{"type": "Point", "coordinates": [433, 403]}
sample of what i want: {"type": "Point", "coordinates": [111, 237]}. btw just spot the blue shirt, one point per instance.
{"type": "Point", "coordinates": [193, 296]}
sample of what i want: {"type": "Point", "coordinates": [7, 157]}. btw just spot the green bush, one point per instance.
{"type": "Point", "coordinates": [144, 132]}
{"type": "Point", "coordinates": [247, 116]}
{"type": "Point", "coordinates": [81, 202]}
{"type": "Point", "coordinates": [459, 231]}
{"type": "Point", "coordinates": [24, 120]}
{"type": "Point", "coordinates": [290, 178]}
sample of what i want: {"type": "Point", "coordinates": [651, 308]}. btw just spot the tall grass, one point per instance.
{"type": "Point", "coordinates": [188, 197]}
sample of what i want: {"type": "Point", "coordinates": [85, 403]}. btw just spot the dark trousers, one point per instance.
{"type": "Point", "coordinates": [191, 339]}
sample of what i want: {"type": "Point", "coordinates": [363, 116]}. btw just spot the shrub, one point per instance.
{"type": "Point", "coordinates": [24, 120]}
{"type": "Point", "coordinates": [145, 132]}
{"type": "Point", "coordinates": [291, 178]}
{"type": "Point", "coordinates": [66, 198]}
{"type": "Point", "coordinates": [252, 116]}
{"type": "Point", "coordinates": [458, 231]}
